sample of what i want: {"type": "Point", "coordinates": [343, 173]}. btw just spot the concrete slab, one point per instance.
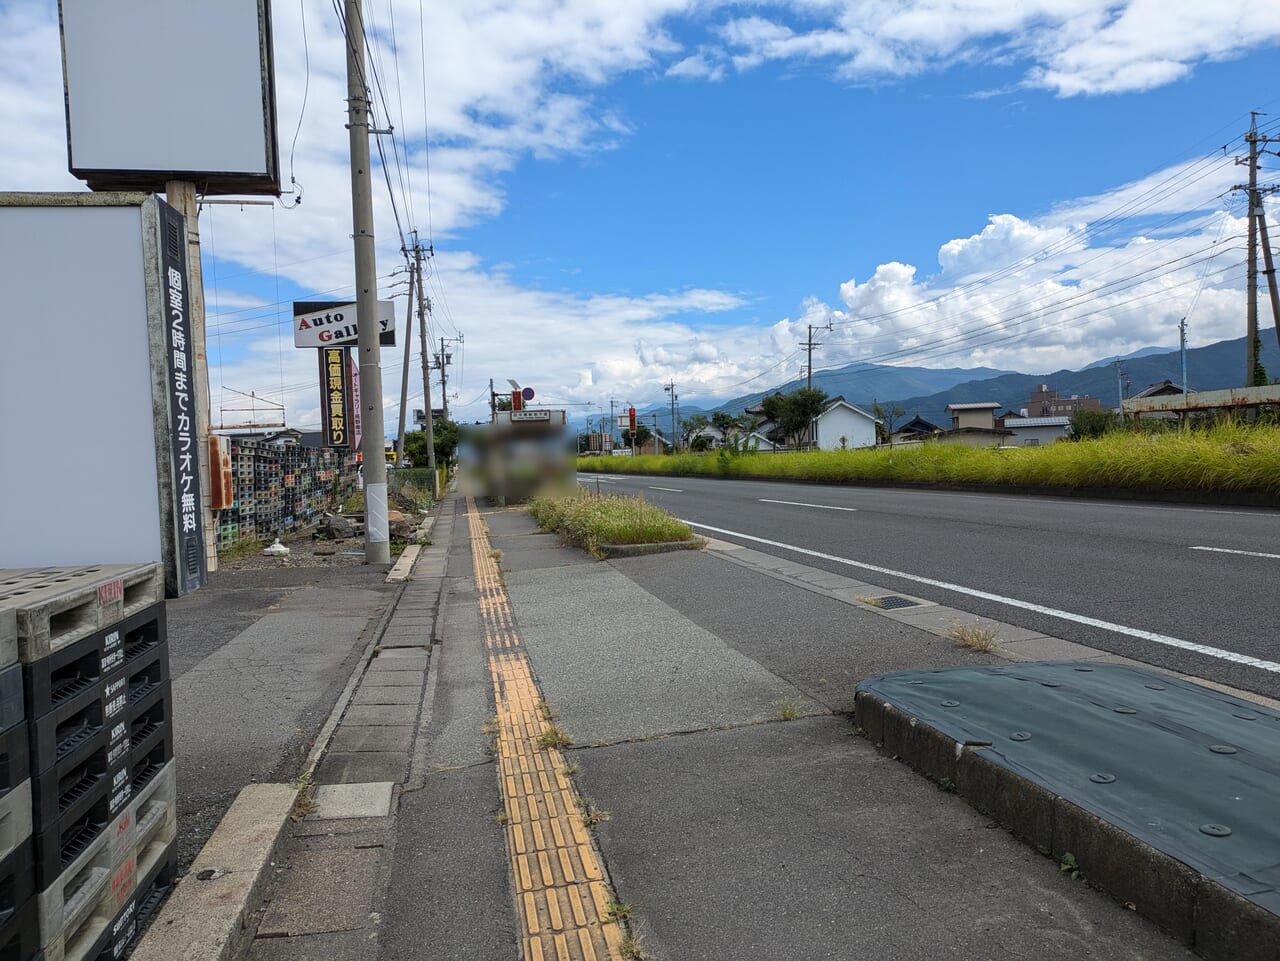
{"type": "Point", "coordinates": [785, 841]}
{"type": "Point", "coordinates": [402, 654]}
{"type": "Point", "coordinates": [378, 694]}
{"type": "Point", "coordinates": [351, 739]}
{"type": "Point", "coordinates": [393, 679]}
{"type": "Point", "coordinates": [417, 665]}
{"type": "Point", "coordinates": [358, 767]}
{"type": "Point", "coordinates": [323, 891]}
{"type": "Point", "coordinates": [359, 800]}
{"type": "Point", "coordinates": [380, 715]}
{"type": "Point", "coordinates": [643, 670]}
{"type": "Point", "coordinates": [449, 895]}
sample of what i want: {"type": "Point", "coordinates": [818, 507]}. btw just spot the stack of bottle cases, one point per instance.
{"type": "Point", "coordinates": [96, 740]}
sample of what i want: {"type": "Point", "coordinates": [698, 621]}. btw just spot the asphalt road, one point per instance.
{"type": "Point", "coordinates": [1187, 588]}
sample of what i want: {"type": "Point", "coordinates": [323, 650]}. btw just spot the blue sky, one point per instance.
{"type": "Point", "coordinates": [624, 195]}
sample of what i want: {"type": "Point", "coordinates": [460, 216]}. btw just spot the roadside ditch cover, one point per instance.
{"type": "Point", "coordinates": [1189, 770]}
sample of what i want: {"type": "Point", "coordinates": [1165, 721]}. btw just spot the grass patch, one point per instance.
{"type": "Point", "coordinates": [587, 520]}
{"type": "Point", "coordinates": [1233, 457]}
{"type": "Point", "coordinates": [631, 948]}
{"type": "Point", "coordinates": [786, 710]}
{"type": "Point", "coordinates": [591, 815]}
{"type": "Point", "coordinates": [618, 912]}
{"type": "Point", "coordinates": [974, 636]}
{"type": "Point", "coordinates": [544, 711]}
{"type": "Point", "coordinates": [873, 601]}
{"type": "Point", "coordinates": [554, 736]}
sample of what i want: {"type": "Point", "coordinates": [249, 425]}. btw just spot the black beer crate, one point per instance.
{"type": "Point", "coordinates": [12, 706]}
{"type": "Point", "coordinates": [69, 671]}
{"type": "Point", "coordinates": [20, 933]}
{"type": "Point", "coordinates": [17, 885]}
{"type": "Point", "coordinates": [15, 759]}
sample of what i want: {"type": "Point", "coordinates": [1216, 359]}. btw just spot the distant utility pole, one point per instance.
{"type": "Point", "coordinates": [404, 370]}
{"type": "Point", "coordinates": [424, 305]}
{"type": "Point", "coordinates": [1182, 348]}
{"type": "Point", "coordinates": [1119, 388]}
{"type": "Point", "coordinates": [1257, 226]}
{"type": "Point", "coordinates": [808, 345]}
{"type": "Point", "coordinates": [671, 389]}
{"type": "Point", "coordinates": [443, 360]}
{"type": "Point", "coordinates": [493, 403]}
{"type": "Point", "coordinates": [613, 423]}
{"type": "Point", "coordinates": [377, 545]}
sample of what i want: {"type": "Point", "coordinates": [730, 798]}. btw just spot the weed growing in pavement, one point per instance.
{"type": "Point", "coordinates": [304, 803]}
{"type": "Point", "coordinates": [501, 817]}
{"type": "Point", "coordinates": [873, 601]}
{"type": "Point", "coordinates": [1069, 865]}
{"type": "Point", "coordinates": [974, 636]}
{"type": "Point", "coordinates": [492, 726]}
{"type": "Point", "coordinates": [618, 911]}
{"type": "Point", "coordinates": [591, 815]}
{"type": "Point", "coordinates": [554, 736]}
{"type": "Point", "coordinates": [569, 770]}
{"type": "Point", "coordinates": [786, 709]}
{"type": "Point", "coordinates": [631, 948]}
{"type": "Point", "coordinates": [947, 785]}
{"type": "Point", "coordinates": [544, 711]}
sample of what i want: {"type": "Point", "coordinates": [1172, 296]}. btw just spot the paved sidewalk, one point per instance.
{"type": "Point", "coordinates": [731, 809]}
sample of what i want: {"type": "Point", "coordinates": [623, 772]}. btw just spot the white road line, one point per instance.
{"type": "Point", "coordinates": [825, 507]}
{"type": "Point", "coordinates": [674, 490]}
{"type": "Point", "coordinates": [1227, 550]}
{"type": "Point", "coordinates": [1155, 638]}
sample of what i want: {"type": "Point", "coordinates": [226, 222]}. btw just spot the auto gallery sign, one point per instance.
{"type": "Point", "coordinates": [332, 323]}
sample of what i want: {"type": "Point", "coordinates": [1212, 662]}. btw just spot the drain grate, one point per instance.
{"type": "Point", "coordinates": [892, 601]}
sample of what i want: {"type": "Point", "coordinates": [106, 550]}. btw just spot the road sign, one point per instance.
{"type": "Point", "coordinates": [526, 393]}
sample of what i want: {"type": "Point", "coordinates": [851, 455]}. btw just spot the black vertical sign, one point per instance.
{"type": "Point", "coordinates": [188, 560]}
{"type": "Point", "coordinates": [335, 397]}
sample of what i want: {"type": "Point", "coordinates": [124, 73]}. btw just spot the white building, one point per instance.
{"type": "Point", "coordinates": [1035, 431]}
{"type": "Point", "coordinates": [844, 426]}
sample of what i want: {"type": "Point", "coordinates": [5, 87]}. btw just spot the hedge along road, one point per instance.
{"type": "Point", "coordinates": [1133, 579]}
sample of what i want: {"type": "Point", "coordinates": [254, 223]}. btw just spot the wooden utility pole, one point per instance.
{"type": "Point", "coordinates": [377, 543]}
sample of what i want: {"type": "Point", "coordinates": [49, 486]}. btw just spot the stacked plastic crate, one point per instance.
{"type": "Point", "coordinates": [99, 727]}
{"type": "Point", "coordinates": [20, 929]}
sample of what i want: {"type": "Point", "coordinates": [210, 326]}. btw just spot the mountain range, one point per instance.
{"type": "Point", "coordinates": [927, 391]}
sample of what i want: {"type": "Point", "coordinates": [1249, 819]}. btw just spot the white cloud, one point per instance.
{"type": "Point", "coordinates": [696, 67]}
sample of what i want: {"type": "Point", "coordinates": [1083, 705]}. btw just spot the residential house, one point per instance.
{"type": "Point", "coordinates": [1035, 431]}
{"type": "Point", "coordinates": [974, 425]}
{"type": "Point", "coordinates": [843, 425]}
{"type": "Point", "coordinates": [713, 434]}
{"type": "Point", "coordinates": [916, 429]}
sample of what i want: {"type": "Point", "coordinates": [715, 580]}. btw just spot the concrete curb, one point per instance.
{"type": "Point", "coordinates": [1215, 922]}
{"type": "Point", "coordinates": [207, 918]}
{"type": "Point", "coordinates": [639, 550]}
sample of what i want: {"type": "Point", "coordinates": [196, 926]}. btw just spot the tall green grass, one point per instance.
{"type": "Point", "coordinates": [588, 520]}
{"type": "Point", "coordinates": [1225, 458]}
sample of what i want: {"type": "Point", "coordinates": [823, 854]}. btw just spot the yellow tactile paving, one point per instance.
{"type": "Point", "coordinates": [562, 895]}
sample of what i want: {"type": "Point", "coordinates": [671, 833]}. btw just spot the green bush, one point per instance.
{"type": "Point", "coordinates": [588, 520]}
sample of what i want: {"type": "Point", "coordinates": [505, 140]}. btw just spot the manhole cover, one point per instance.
{"type": "Point", "coordinates": [891, 601]}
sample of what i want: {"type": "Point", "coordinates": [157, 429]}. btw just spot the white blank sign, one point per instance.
{"type": "Point", "coordinates": [170, 87]}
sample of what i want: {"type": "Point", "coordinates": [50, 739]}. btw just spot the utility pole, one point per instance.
{"type": "Point", "coordinates": [613, 423]}
{"type": "Point", "coordinates": [1182, 347]}
{"type": "Point", "coordinates": [671, 389]}
{"type": "Point", "coordinates": [809, 344]}
{"type": "Point", "coordinates": [1119, 389]}
{"type": "Point", "coordinates": [404, 373]}
{"type": "Point", "coordinates": [493, 403]}
{"type": "Point", "coordinates": [1257, 226]}
{"type": "Point", "coordinates": [443, 360]}
{"type": "Point", "coordinates": [377, 544]}
{"type": "Point", "coordinates": [423, 306]}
